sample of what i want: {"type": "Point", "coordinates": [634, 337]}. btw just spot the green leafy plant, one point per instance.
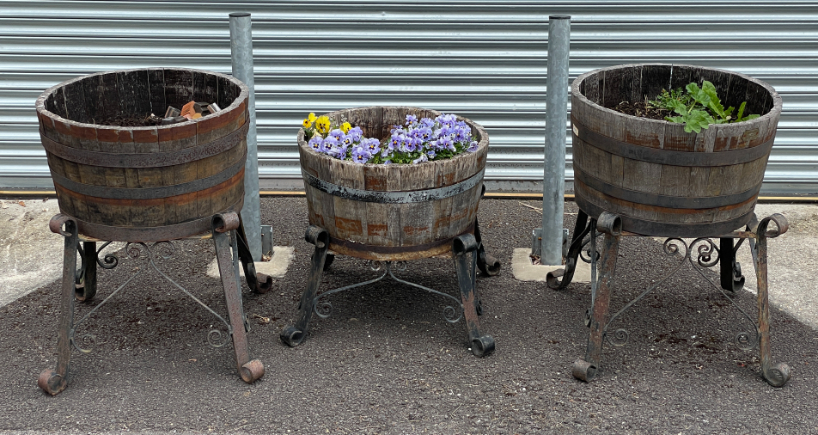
{"type": "Point", "coordinates": [697, 108]}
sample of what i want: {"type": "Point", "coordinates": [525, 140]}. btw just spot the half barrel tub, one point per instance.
{"type": "Point", "coordinates": [392, 212]}
{"type": "Point", "coordinates": [659, 179]}
{"type": "Point", "coordinates": [143, 184]}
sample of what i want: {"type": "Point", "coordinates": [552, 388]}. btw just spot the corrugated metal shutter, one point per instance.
{"type": "Point", "coordinates": [485, 60]}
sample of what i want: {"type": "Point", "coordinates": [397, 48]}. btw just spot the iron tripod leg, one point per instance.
{"type": "Point", "coordinates": [226, 256]}
{"type": "Point", "coordinates": [611, 226]}
{"type": "Point", "coordinates": [257, 282]}
{"type": "Point", "coordinates": [86, 284]}
{"type": "Point", "coordinates": [581, 229]}
{"type": "Point", "coordinates": [466, 254]}
{"type": "Point", "coordinates": [295, 335]}
{"type": "Point", "coordinates": [729, 270]}
{"type": "Point", "coordinates": [779, 374]}
{"type": "Point", "coordinates": [54, 381]}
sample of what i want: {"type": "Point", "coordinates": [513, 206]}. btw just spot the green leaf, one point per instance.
{"type": "Point", "coordinates": [698, 94]}
{"type": "Point", "coordinates": [741, 111]}
{"type": "Point", "coordinates": [714, 103]}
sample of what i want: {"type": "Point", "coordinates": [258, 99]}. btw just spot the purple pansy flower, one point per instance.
{"type": "Point", "coordinates": [421, 159]}
{"type": "Point", "coordinates": [373, 145]}
{"type": "Point", "coordinates": [445, 142]}
{"type": "Point", "coordinates": [337, 134]}
{"type": "Point", "coordinates": [331, 146]}
{"type": "Point", "coordinates": [360, 154]}
{"type": "Point", "coordinates": [316, 143]}
{"type": "Point", "coordinates": [356, 133]}
{"type": "Point", "coordinates": [472, 146]}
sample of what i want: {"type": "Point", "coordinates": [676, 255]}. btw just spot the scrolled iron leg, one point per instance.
{"type": "Point", "coordinates": [86, 286]}
{"type": "Point", "coordinates": [54, 381]}
{"type": "Point", "coordinates": [257, 282]}
{"type": "Point", "coordinates": [730, 269]}
{"type": "Point", "coordinates": [776, 375]}
{"type": "Point", "coordinates": [611, 226]}
{"type": "Point", "coordinates": [581, 228]}
{"type": "Point", "coordinates": [222, 224]}
{"type": "Point", "coordinates": [466, 267]}
{"type": "Point", "coordinates": [489, 265]}
{"type": "Point", "coordinates": [293, 335]}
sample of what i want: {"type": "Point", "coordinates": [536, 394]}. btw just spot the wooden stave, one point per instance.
{"type": "Point", "coordinates": [175, 212]}
{"type": "Point", "coordinates": [659, 221]}
{"type": "Point", "coordinates": [369, 230]}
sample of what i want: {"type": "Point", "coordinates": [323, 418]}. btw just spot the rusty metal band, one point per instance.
{"type": "Point", "coordinates": [663, 200]}
{"type": "Point", "coordinates": [662, 229]}
{"type": "Point", "coordinates": [379, 249]}
{"type": "Point", "coordinates": [146, 160]}
{"type": "Point", "coordinates": [149, 192]}
{"type": "Point", "coordinates": [668, 157]}
{"type": "Point", "coordinates": [393, 197]}
{"type": "Point", "coordinates": [152, 234]}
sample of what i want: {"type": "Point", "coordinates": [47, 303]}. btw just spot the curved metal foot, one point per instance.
{"type": "Point", "coordinates": [583, 370]}
{"type": "Point", "coordinates": [777, 375]}
{"type": "Point", "coordinates": [487, 264]}
{"type": "Point", "coordinates": [292, 336]}
{"type": "Point", "coordinates": [482, 346]}
{"type": "Point", "coordinates": [251, 371]}
{"type": "Point", "coordinates": [84, 293]}
{"type": "Point", "coordinates": [51, 382]}
{"type": "Point", "coordinates": [560, 278]}
{"type": "Point", "coordinates": [263, 283]}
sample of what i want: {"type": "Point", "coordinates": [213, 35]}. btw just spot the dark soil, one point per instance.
{"type": "Point", "coordinates": [641, 109]}
{"type": "Point", "coordinates": [131, 121]}
{"type": "Point", "coordinates": [386, 361]}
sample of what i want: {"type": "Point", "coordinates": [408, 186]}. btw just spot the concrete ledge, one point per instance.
{"type": "Point", "coordinates": [523, 270]}
{"type": "Point", "coordinates": [276, 267]}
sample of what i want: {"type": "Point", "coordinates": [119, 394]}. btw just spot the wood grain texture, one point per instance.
{"type": "Point", "coordinates": [634, 188]}
{"type": "Point", "coordinates": [121, 198]}
{"type": "Point", "coordinates": [401, 227]}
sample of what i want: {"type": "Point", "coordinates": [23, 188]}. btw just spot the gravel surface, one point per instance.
{"type": "Point", "coordinates": [386, 361]}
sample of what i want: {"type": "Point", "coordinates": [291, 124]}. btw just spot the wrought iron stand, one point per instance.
{"type": "Point", "coordinates": [709, 255]}
{"type": "Point", "coordinates": [231, 245]}
{"type": "Point", "coordinates": [469, 255]}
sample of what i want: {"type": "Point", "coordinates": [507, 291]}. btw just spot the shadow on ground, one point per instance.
{"type": "Point", "coordinates": [386, 361]}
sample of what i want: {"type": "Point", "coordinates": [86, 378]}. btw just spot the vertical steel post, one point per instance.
{"type": "Point", "coordinates": [556, 113]}
{"type": "Point", "coordinates": [241, 53]}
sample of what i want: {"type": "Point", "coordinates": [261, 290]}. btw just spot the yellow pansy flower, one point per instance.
{"type": "Point", "coordinates": [345, 127]}
{"type": "Point", "coordinates": [322, 124]}
{"type": "Point", "coordinates": [306, 123]}
{"type": "Point", "coordinates": [311, 117]}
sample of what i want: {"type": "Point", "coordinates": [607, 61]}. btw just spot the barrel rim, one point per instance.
{"type": "Point", "coordinates": [40, 103]}
{"type": "Point", "coordinates": [483, 143]}
{"type": "Point", "coordinates": [774, 111]}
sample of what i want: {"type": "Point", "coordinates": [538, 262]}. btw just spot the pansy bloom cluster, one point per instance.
{"type": "Point", "coordinates": [415, 142]}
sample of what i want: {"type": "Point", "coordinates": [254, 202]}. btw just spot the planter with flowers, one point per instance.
{"type": "Point", "coordinates": [395, 184]}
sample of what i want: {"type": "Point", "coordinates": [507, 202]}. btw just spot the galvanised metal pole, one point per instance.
{"type": "Point", "coordinates": [241, 53]}
{"type": "Point", "coordinates": [556, 113]}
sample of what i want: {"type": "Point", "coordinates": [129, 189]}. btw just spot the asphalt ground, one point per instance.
{"type": "Point", "coordinates": [386, 361]}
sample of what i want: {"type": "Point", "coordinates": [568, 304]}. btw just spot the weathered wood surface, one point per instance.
{"type": "Point", "coordinates": [135, 198]}
{"type": "Point", "coordinates": [643, 191]}
{"type": "Point", "coordinates": [387, 231]}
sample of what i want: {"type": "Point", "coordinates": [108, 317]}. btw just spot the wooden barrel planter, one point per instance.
{"type": "Point", "coordinates": [392, 212]}
{"type": "Point", "coordinates": [145, 183]}
{"type": "Point", "coordinates": [659, 179]}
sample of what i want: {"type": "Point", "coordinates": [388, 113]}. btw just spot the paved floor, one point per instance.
{"type": "Point", "coordinates": [386, 361]}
